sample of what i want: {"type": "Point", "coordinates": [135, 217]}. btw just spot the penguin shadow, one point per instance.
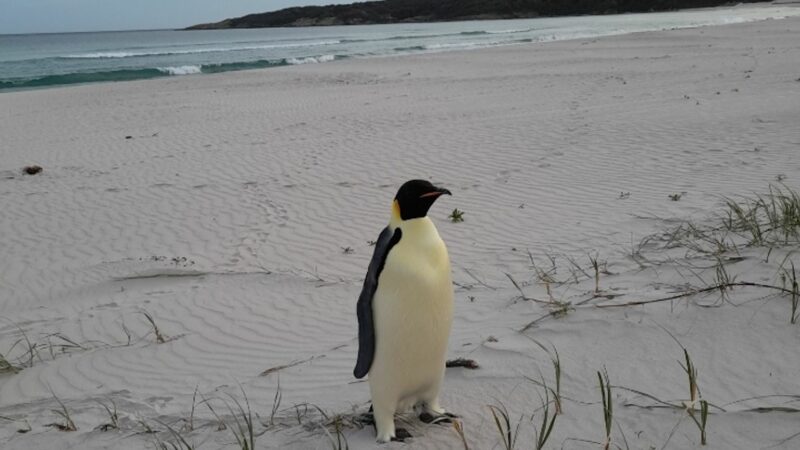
{"type": "Point", "coordinates": [401, 434]}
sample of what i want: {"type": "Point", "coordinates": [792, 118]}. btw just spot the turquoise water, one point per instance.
{"type": "Point", "coordinates": [38, 60]}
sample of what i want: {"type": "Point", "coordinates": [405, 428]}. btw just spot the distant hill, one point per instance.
{"type": "Point", "coordinates": [398, 11]}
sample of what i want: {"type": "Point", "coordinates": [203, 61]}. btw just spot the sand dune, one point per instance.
{"type": "Point", "coordinates": [237, 211]}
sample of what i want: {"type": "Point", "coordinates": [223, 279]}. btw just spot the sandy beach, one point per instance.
{"type": "Point", "coordinates": [237, 210]}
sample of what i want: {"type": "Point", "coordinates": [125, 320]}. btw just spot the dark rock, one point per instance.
{"type": "Point", "coordinates": [32, 170]}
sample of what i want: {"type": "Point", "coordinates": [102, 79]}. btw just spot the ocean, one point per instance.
{"type": "Point", "coordinates": [41, 60]}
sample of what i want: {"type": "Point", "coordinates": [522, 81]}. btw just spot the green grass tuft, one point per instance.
{"type": "Point", "coordinates": [608, 406]}
{"type": "Point", "coordinates": [502, 420]}
{"type": "Point", "coordinates": [456, 216]}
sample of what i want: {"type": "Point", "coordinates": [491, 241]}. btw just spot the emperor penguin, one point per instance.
{"type": "Point", "coordinates": [405, 311]}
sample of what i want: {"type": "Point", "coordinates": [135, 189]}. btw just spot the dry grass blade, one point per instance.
{"type": "Point", "coordinates": [112, 415]}
{"type": "Point", "coordinates": [190, 424]}
{"type": "Point", "coordinates": [790, 279]}
{"type": "Point", "coordinates": [276, 403]}
{"type": "Point", "coordinates": [286, 366]}
{"type": "Point", "coordinates": [160, 338]}
{"type": "Point", "coordinates": [68, 424]}
{"type": "Point", "coordinates": [459, 428]}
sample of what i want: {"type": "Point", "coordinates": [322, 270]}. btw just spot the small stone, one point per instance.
{"type": "Point", "coordinates": [32, 170]}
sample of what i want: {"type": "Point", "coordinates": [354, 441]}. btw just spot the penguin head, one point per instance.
{"type": "Point", "coordinates": [415, 197]}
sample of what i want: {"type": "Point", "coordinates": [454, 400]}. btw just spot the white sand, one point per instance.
{"type": "Point", "coordinates": [260, 179]}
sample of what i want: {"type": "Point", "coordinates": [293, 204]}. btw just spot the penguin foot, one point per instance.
{"type": "Point", "coordinates": [442, 419]}
{"type": "Point", "coordinates": [366, 419]}
{"type": "Point", "coordinates": [426, 417]}
{"type": "Point", "coordinates": [401, 434]}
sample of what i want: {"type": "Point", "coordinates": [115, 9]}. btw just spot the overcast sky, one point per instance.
{"type": "Point", "coordinates": [50, 16]}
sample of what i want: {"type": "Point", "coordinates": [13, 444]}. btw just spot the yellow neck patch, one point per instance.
{"type": "Point", "coordinates": [396, 219]}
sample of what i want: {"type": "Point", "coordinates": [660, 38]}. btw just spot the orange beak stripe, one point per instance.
{"type": "Point", "coordinates": [431, 194]}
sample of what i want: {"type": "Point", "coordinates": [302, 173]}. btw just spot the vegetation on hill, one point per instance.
{"type": "Point", "coordinates": [394, 11]}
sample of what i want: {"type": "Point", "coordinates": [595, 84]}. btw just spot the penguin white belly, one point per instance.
{"type": "Point", "coordinates": [412, 310]}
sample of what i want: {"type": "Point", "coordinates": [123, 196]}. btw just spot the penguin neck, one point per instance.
{"type": "Point", "coordinates": [421, 226]}
{"type": "Point", "coordinates": [395, 220]}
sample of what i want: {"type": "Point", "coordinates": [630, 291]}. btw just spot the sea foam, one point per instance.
{"type": "Point", "coordinates": [181, 70]}
{"type": "Point", "coordinates": [310, 59]}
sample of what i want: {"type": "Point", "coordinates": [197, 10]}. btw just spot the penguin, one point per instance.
{"type": "Point", "coordinates": [405, 312]}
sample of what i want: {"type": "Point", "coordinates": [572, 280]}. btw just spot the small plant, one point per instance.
{"type": "Point", "coordinates": [68, 424]}
{"type": "Point", "coordinates": [276, 403]}
{"type": "Point", "coordinates": [790, 279]}
{"type": "Point", "coordinates": [694, 396]}
{"type": "Point", "coordinates": [722, 279]}
{"type": "Point", "coordinates": [548, 421]}
{"type": "Point", "coordinates": [608, 407]}
{"type": "Point", "coordinates": [244, 431]}
{"type": "Point", "coordinates": [561, 309]}
{"type": "Point", "coordinates": [701, 423]}
{"type": "Point", "coordinates": [347, 250]}
{"type": "Point", "coordinates": [456, 216]}
{"type": "Point", "coordinates": [180, 443]}
{"type": "Point", "coordinates": [112, 414]}
{"type": "Point", "coordinates": [675, 197]}
{"type": "Point", "coordinates": [502, 421]}
{"type": "Point", "coordinates": [160, 338]}
{"type": "Point", "coordinates": [220, 423]}
{"type": "Point", "coordinates": [146, 426]}
{"type": "Point", "coordinates": [190, 424]}
{"type": "Point", "coordinates": [338, 440]}
{"type": "Point", "coordinates": [596, 266]}
{"type": "Point", "coordinates": [6, 366]}
{"type": "Point", "coordinates": [555, 359]}
{"type": "Point", "coordinates": [767, 219]}
{"type": "Point", "coordinates": [547, 280]}
{"type": "Point", "coordinates": [31, 352]}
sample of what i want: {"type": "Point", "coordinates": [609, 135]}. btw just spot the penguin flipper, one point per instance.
{"type": "Point", "coordinates": [366, 326]}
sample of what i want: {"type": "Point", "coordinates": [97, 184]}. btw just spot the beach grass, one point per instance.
{"type": "Point", "coordinates": [68, 424]}
{"type": "Point", "coordinates": [160, 338]}
{"type": "Point", "coordinates": [244, 426]}
{"type": "Point", "coordinates": [113, 416]}
{"type": "Point", "coordinates": [608, 407]}
{"type": "Point", "coordinates": [505, 428]}
{"type": "Point", "coordinates": [547, 422]}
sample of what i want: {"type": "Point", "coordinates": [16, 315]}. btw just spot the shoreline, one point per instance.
{"type": "Point", "coordinates": [115, 73]}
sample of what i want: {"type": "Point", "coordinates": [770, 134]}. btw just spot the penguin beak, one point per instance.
{"type": "Point", "coordinates": [436, 193]}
